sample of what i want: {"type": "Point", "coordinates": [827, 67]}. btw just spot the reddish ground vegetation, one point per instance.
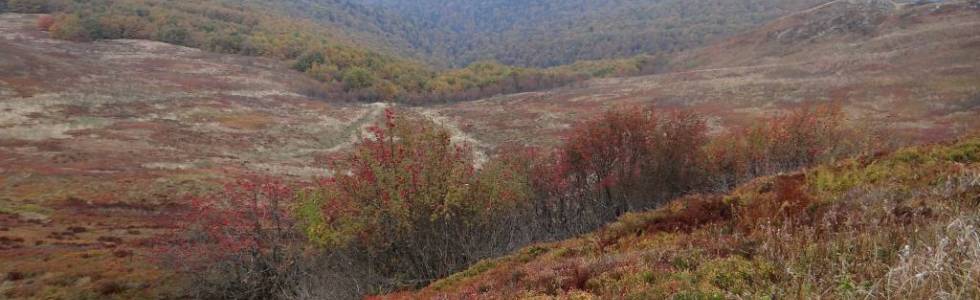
{"type": "Point", "coordinates": [777, 237]}
{"type": "Point", "coordinates": [45, 22]}
{"type": "Point", "coordinates": [697, 211]}
{"type": "Point", "coordinates": [779, 202]}
{"type": "Point", "coordinates": [235, 242]}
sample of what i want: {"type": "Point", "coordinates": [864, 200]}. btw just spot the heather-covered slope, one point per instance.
{"type": "Point", "coordinates": [901, 225]}
{"type": "Point", "coordinates": [98, 140]}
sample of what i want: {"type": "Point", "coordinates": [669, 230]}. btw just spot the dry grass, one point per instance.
{"type": "Point", "coordinates": [108, 136]}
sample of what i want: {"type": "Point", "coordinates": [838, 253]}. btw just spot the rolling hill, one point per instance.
{"type": "Point", "coordinates": [910, 69]}
{"type": "Point", "coordinates": [98, 140]}
{"type": "Point", "coordinates": [101, 141]}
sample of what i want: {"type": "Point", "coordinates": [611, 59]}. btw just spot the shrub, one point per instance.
{"type": "Point", "coordinates": [45, 22]}
{"type": "Point", "coordinates": [409, 206]}
{"type": "Point", "coordinates": [82, 28]}
{"type": "Point", "coordinates": [237, 244]}
{"type": "Point", "coordinates": [121, 27]}
{"type": "Point", "coordinates": [627, 160]}
{"type": "Point", "coordinates": [358, 78]}
{"type": "Point", "coordinates": [309, 60]}
{"type": "Point", "coordinates": [174, 34]}
{"type": "Point", "coordinates": [799, 138]}
{"type": "Point", "coordinates": [70, 27]}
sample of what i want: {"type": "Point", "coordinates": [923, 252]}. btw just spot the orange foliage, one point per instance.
{"type": "Point", "coordinates": [800, 138]}
{"type": "Point", "coordinates": [782, 202]}
{"type": "Point", "coordinates": [45, 22]}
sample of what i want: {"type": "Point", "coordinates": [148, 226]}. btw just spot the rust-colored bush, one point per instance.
{"type": "Point", "coordinates": [698, 211]}
{"type": "Point", "coordinates": [238, 242]}
{"type": "Point", "coordinates": [44, 22]}
{"type": "Point", "coordinates": [781, 202]}
{"type": "Point", "coordinates": [632, 159]}
{"type": "Point", "coordinates": [803, 137]}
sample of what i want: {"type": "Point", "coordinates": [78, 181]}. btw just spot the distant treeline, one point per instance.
{"type": "Point", "coordinates": [346, 70]}
{"type": "Point", "coordinates": [545, 33]}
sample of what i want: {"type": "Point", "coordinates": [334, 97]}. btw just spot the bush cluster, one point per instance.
{"type": "Point", "coordinates": [409, 205]}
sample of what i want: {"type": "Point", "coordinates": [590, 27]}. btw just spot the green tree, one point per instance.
{"type": "Point", "coordinates": [174, 34]}
{"type": "Point", "coordinates": [308, 60]}
{"type": "Point", "coordinates": [356, 78]}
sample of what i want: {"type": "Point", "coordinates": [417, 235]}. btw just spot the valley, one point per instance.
{"type": "Point", "coordinates": [766, 71]}
{"type": "Point", "coordinates": [103, 142]}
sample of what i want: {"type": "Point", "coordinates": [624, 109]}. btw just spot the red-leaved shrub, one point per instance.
{"type": "Point", "coordinates": [44, 22]}
{"type": "Point", "coordinates": [239, 243]}
{"type": "Point", "coordinates": [630, 159]}
{"type": "Point", "coordinates": [408, 205]}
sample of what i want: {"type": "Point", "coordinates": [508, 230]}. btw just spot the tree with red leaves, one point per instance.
{"type": "Point", "coordinates": [606, 154]}
{"type": "Point", "coordinates": [410, 204]}
{"type": "Point", "coordinates": [630, 159]}
{"type": "Point", "coordinates": [240, 243]}
{"type": "Point", "coordinates": [803, 137]}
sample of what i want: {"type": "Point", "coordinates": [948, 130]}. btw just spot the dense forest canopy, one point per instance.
{"type": "Point", "coordinates": [536, 33]}
{"type": "Point", "coordinates": [554, 32]}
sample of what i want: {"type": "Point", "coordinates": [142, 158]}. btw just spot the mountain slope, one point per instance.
{"type": "Point", "coordinates": [548, 33]}
{"type": "Point", "coordinates": [913, 70]}
{"type": "Point", "coordinates": [99, 142]}
{"type": "Point", "coordinates": [901, 225]}
{"type": "Point", "coordinates": [373, 26]}
{"type": "Point", "coordinates": [352, 62]}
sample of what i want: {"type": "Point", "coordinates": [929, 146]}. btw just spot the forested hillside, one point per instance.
{"type": "Point", "coordinates": [379, 50]}
{"type": "Point", "coordinates": [347, 64]}
{"type": "Point", "coordinates": [376, 26]}
{"type": "Point", "coordinates": [554, 32]}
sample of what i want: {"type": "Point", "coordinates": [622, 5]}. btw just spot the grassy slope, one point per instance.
{"type": "Point", "coordinates": [901, 225]}
{"type": "Point", "coordinates": [338, 50]}
{"type": "Point", "coordinates": [912, 69]}
{"type": "Point", "coordinates": [99, 140]}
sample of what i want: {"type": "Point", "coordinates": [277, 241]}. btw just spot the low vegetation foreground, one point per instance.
{"type": "Point", "coordinates": [902, 225]}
